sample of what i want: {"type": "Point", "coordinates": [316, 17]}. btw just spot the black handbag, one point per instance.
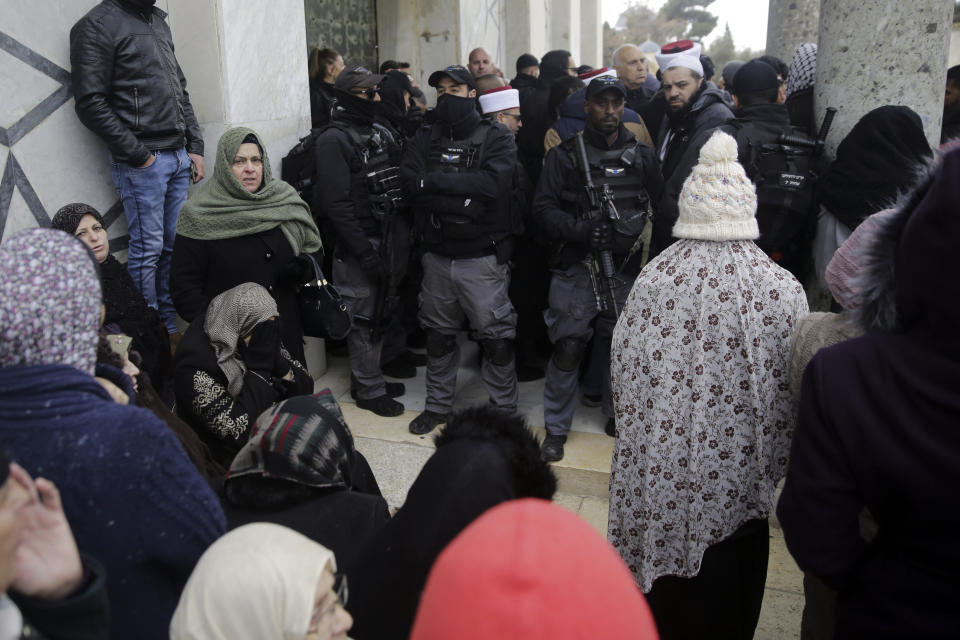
{"type": "Point", "coordinates": [323, 313]}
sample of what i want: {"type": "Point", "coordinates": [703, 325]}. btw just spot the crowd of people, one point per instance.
{"type": "Point", "coordinates": [639, 236]}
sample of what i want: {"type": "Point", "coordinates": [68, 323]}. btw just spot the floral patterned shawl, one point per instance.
{"type": "Point", "coordinates": [703, 407]}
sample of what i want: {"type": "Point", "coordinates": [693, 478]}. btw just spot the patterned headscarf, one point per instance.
{"type": "Point", "coordinates": [703, 406]}
{"type": "Point", "coordinates": [49, 301]}
{"type": "Point", "coordinates": [258, 581]}
{"type": "Point", "coordinates": [304, 439]}
{"type": "Point", "coordinates": [68, 217]}
{"type": "Point", "coordinates": [803, 69]}
{"type": "Point", "coordinates": [232, 315]}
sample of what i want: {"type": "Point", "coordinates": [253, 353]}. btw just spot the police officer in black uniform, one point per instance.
{"type": "Point", "coordinates": [457, 174]}
{"type": "Point", "coordinates": [568, 217]}
{"type": "Point", "coordinates": [357, 199]}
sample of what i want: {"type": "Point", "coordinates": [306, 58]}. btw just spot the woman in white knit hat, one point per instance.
{"type": "Point", "coordinates": [703, 409]}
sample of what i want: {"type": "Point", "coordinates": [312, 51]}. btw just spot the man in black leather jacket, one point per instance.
{"type": "Point", "coordinates": [131, 92]}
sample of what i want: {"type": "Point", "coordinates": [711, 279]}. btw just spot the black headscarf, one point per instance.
{"type": "Point", "coordinates": [877, 160]}
{"type": "Point", "coordinates": [482, 459]}
{"type": "Point", "coordinates": [68, 217]}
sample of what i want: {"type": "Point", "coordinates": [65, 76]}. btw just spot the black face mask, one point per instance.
{"type": "Point", "coordinates": [141, 6]}
{"type": "Point", "coordinates": [454, 110]}
{"type": "Point", "coordinates": [356, 108]}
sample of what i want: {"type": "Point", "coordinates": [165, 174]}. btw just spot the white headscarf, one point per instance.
{"type": "Point", "coordinates": [703, 406]}
{"type": "Point", "coordinates": [258, 582]}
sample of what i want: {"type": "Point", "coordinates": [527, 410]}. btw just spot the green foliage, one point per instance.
{"type": "Point", "coordinates": [723, 50]}
{"type": "Point", "coordinates": [676, 20]}
{"type": "Point", "coordinates": [692, 14]}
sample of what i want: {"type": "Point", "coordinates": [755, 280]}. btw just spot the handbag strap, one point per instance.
{"type": "Point", "coordinates": [317, 271]}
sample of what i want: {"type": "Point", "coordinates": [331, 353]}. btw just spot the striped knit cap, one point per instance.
{"type": "Point", "coordinates": [304, 440]}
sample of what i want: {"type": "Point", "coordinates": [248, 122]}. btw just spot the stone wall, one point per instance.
{"type": "Point", "coordinates": [244, 63]}
{"type": "Point", "coordinates": [48, 158]}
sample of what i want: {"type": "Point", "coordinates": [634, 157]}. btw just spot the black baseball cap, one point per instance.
{"type": "Point", "coordinates": [605, 83]}
{"type": "Point", "coordinates": [357, 77]}
{"type": "Point", "coordinates": [457, 73]}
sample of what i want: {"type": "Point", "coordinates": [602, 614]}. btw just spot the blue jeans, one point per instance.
{"type": "Point", "coordinates": [151, 199]}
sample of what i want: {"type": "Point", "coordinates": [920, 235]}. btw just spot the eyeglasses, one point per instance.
{"type": "Point", "coordinates": [515, 116]}
{"type": "Point", "coordinates": [372, 91]}
{"type": "Point", "coordinates": [341, 588]}
{"type": "Point", "coordinates": [342, 593]}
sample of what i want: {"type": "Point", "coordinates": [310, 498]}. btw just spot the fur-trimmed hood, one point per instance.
{"type": "Point", "coordinates": [533, 478]}
{"type": "Point", "coordinates": [906, 282]}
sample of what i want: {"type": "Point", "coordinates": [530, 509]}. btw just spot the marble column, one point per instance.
{"type": "Point", "coordinates": [591, 34]}
{"type": "Point", "coordinates": [525, 31]}
{"type": "Point", "coordinates": [245, 64]}
{"type": "Point", "coordinates": [564, 29]}
{"type": "Point", "coordinates": [791, 23]}
{"type": "Point", "coordinates": [874, 52]}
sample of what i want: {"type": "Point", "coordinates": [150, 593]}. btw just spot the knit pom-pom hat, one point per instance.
{"type": "Point", "coordinates": [718, 201]}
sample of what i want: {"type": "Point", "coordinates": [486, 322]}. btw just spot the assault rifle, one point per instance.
{"type": "Point", "coordinates": [817, 144]}
{"type": "Point", "coordinates": [601, 203]}
{"type": "Point", "coordinates": [387, 200]}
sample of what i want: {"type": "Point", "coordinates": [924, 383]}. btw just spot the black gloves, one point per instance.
{"type": "Point", "coordinates": [263, 353]}
{"type": "Point", "coordinates": [372, 267]}
{"type": "Point", "coordinates": [597, 233]}
{"type": "Point", "coordinates": [297, 271]}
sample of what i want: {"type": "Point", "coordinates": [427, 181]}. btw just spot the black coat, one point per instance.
{"type": "Point", "coordinates": [128, 86]}
{"type": "Point", "coordinates": [126, 308]}
{"type": "Point", "coordinates": [321, 102]}
{"type": "Point", "coordinates": [554, 219]}
{"type": "Point", "coordinates": [482, 194]}
{"type": "Point", "coordinates": [203, 269]}
{"type": "Point", "coordinates": [203, 402]}
{"type": "Point", "coordinates": [83, 615]}
{"type": "Point", "coordinates": [708, 112]}
{"type": "Point", "coordinates": [800, 107]}
{"type": "Point", "coordinates": [878, 430]}
{"type": "Point", "coordinates": [345, 521]}
{"type": "Point", "coordinates": [479, 463]}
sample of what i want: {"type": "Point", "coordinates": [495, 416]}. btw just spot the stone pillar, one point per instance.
{"type": "Point", "coordinates": [564, 29]}
{"type": "Point", "coordinates": [591, 34]}
{"type": "Point", "coordinates": [245, 64]}
{"type": "Point", "coordinates": [525, 31]}
{"type": "Point", "coordinates": [874, 53]}
{"type": "Point", "coordinates": [790, 23]}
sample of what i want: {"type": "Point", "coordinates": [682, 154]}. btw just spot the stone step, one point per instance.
{"type": "Point", "coordinates": [397, 454]}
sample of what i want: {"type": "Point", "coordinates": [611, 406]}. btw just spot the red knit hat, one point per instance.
{"type": "Point", "coordinates": [530, 569]}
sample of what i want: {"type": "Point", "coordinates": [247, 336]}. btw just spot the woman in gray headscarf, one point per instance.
{"type": "Point", "coordinates": [231, 366]}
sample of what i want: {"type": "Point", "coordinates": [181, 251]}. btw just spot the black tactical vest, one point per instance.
{"type": "Point", "coordinates": [375, 187]}
{"type": "Point", "coordinates": [617, 168]}
{"type": "Point", "coordinates": [463, 156]}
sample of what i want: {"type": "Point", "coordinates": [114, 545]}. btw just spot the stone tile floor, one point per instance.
{"type": "Point", "coordinates": [396, 457]}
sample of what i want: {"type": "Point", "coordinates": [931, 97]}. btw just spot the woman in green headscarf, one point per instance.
{"type": "Point", "coordinates": [244, 225]}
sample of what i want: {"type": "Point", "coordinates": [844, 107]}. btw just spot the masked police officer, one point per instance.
{"type": "Point", "coordinates": [626, 173]}
{"type": "Point", "coordinates": [457, 174]}
{"type": "Point", "coordinates": [357, 199]}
